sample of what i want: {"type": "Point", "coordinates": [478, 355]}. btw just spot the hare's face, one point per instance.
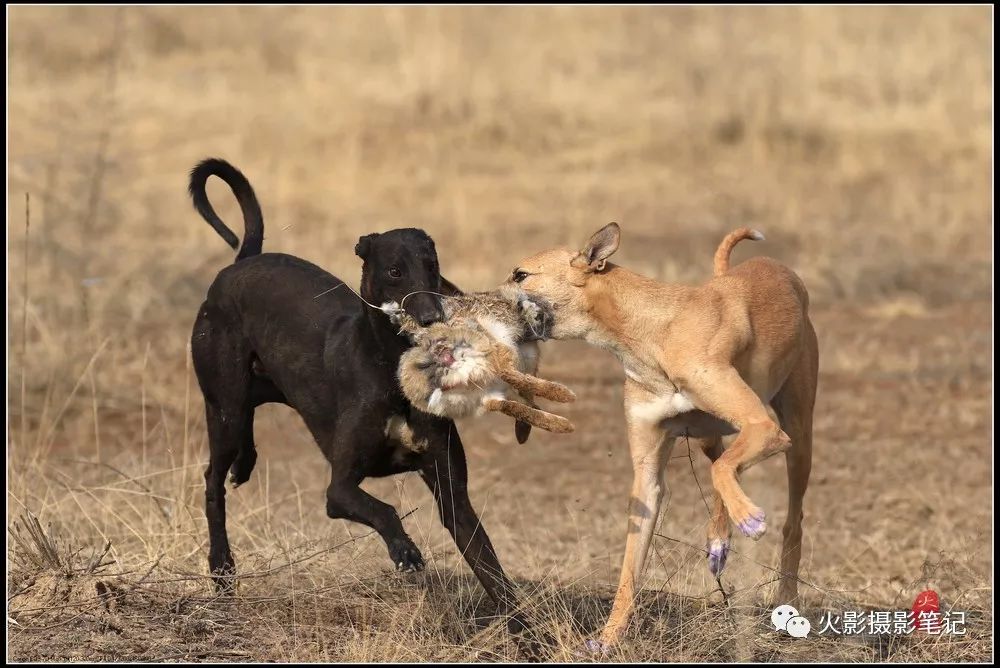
{"type": "Point", "coordinates": [443, 352]}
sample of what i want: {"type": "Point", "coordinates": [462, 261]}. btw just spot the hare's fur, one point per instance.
{"type": "Point", "coordinates": [480, 358]}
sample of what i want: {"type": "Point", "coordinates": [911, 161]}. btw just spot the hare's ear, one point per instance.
{"type": "Point", "coordinates": [449, 288]}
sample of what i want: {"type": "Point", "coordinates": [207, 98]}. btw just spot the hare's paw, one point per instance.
{"type": "Point", "coordinates": [559, 425]}
{"type": "Point", "coordinates": [566, 395]}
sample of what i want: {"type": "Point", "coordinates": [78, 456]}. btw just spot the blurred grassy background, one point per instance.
{"type": "Point", "coordinates": [858, 139]}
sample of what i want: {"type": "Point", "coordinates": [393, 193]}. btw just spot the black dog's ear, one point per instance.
{"type": "Point", "coordinates": [364, 245]}
{"type": "Point", "coordinates": [449, 288]}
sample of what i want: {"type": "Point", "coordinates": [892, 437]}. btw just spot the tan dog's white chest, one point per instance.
{"type": "Point", "coordinates": [661, 408]}
{"type": "Point", "coordinates": [660, 399]}
{"type": "Point", "coordinates": [657, 400]}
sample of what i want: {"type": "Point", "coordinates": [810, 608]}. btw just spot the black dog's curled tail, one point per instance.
{"type": "Point", "coordinates": [253, 220]}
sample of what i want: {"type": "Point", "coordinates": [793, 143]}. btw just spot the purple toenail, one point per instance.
{"type": "Point", "coordinates": [754, 527]}
{"type": "Point", "coordinates": [596, 647]}
{"type": "Point", "coordinates": [718, 550]}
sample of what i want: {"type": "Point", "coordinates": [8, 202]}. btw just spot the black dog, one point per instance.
{"type": "Point", "coordinates": [275, 328]}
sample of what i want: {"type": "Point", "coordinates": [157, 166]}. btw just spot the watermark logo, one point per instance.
{"type": "Point", "coordinates": [798, 627]}
{"type": "Point", "coordinates": [781, 615]}
{"type": "Point", "coordinates": [786, 618]}
{"type": "Point", "coordinates": [924, 617]}
{"type": "Point", "coordinates": [927, 612]}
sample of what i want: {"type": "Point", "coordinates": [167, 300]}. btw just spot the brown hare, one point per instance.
{"type": "Point", "coordinates": [477, 359]}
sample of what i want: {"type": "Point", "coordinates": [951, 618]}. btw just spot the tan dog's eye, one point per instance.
{"type": "Point", "coordinates": [519, 275]}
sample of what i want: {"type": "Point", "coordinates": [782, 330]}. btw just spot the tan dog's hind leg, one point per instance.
{"type": "Point", "coordinates": [650, 449]}
{"type": "Point", "coordinates": [719, 527]}
{"type": "Point", "coordinates": [722, 392]}
{"type": "Point", "coordinates": [794, 406]}
{"type": "Point", "coordinates": [533, 416]}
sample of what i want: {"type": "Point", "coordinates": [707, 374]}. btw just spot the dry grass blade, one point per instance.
{"type": "Point", "coordinates": [36, 550]}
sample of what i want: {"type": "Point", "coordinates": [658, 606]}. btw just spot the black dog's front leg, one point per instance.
{"type": "Point", "coordinates": [350, 445]}
{"type": "Point", "coordinates": [444, 471]}
{"type": "Point", "coordinates": [345, 500]}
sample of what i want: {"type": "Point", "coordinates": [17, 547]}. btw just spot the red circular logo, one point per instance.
{"type": "Point", "coordinates": [927, 612]}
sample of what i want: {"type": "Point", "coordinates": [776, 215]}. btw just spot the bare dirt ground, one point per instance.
{"type": "Point", "coordinates": [858, 139]}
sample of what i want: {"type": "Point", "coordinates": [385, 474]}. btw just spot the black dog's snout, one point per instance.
{"type": "Point", "coordinates": [425, 309]}
{"type": "Point", "coordinates": [429, 318]}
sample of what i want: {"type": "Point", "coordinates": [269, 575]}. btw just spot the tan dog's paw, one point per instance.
{"type": "Point", "coordinates": [718, 550]}
{"type": "Point", "coordinates": [751, 523]}
{"type": "Point", "coordinates": [594, 648]}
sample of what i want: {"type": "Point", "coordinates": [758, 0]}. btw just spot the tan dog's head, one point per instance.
{"type": "Point", "coordinates": [563, 278]}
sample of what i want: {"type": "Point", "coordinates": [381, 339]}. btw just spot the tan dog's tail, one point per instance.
{"type": "Point", "coordinates": [726, 247]}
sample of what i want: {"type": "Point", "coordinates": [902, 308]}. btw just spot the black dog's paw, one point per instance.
{"type": "Point", "coordinates": [533, 645]}
{"type": "Point", "coordinates": [517, 623]}
{"type": "Point", "coordinates": [405, 556]}
{"type": "Point", "coordinates": [243, 466]}
{"type": "Point", "coordinates": [224, 578]}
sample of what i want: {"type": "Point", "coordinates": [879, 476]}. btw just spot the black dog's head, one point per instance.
{"type": "Point", "coordinates": [398, 263]}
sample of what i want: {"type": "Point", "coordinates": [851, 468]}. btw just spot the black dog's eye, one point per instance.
{"type": "Point", "coordinates": [519, 275]}
{"type": "Point", "coordinates": [394, 272]}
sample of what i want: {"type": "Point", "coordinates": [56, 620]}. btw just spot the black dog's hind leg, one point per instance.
{"type": "Point", "coordinates": [246, 458]}
{"type": "Point", "coordinates": [262, 391]}
{"type": "Point", "coordinates": [445, 473]}
{"type": "Point", "coordinates": [345, 500]}
{"type": "Point", "coordinates": [229, 428]}
{"type": "Point", "coordinates": [222, 363]}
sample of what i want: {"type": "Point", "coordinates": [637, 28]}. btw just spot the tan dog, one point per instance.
{"type": "Point", "coordinates": [700, 361]}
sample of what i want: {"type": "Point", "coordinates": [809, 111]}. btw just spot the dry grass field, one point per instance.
{"type": "Point", "coordinates": [858, 139]}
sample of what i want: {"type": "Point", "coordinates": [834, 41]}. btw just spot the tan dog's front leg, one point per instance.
{"type": "Point", "coordinates": [723, 393]}
{"type": "Point", "coordinates": [650, 449]}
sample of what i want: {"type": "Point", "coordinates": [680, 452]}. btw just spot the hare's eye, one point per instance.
{"type": "Point", "coordinates": [519, 275]}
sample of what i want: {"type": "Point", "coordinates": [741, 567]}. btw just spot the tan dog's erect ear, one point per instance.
{"type": "Point", "coordinates": [449, 288]}
{"type": "Point", "coordinates": [600, 247]}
